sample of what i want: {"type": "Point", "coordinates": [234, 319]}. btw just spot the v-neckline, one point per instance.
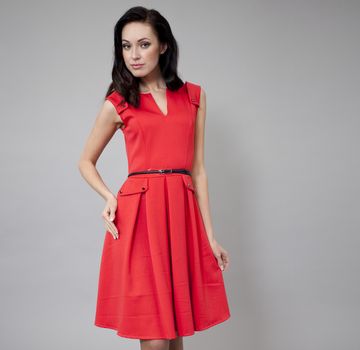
{"type": "Point", "coordinates": [155, 103]}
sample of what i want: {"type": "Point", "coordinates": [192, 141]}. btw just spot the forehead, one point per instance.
{"type": "Point", "coordinates": [134, 31]}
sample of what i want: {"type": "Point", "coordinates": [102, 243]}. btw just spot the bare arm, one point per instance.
{"type": "Point", "coordinates": [106, 123]}
{"type": "Point", "coordinates": [198, 172]}
{"type": "Point", "coordinates": [200, 181]}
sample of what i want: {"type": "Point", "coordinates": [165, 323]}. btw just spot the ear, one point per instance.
{"type": "Point", "coordinates": [163, 48]}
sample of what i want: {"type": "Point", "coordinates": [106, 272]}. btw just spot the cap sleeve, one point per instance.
{"type": "Point", "coordinates": [194, 93]}
{"type": "Point", "coordinates": [119, 103]}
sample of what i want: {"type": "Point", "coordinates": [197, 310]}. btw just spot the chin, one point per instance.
{"type": "Point", "coordinates": [136, 72]}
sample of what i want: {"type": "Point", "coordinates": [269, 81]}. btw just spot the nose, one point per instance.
{"type": "Point", "coordinates": [134, 53]}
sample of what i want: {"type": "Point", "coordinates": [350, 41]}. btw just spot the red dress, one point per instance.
{"type": "Point", "coordinates": [160, 278]}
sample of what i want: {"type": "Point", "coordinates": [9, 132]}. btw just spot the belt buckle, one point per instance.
{"type": "Point", "coordinates": [165, 170]}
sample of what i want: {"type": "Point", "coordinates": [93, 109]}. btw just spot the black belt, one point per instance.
{"type": "Point", "coordinates": [161, 171]}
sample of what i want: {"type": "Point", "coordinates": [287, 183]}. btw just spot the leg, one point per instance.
{"type": "Point", "coordinates": [154, 344]}
{"type": "Point", "coordinates": [176, 344]}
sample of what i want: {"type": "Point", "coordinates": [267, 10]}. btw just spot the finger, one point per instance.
{"type": "Point", "coordinates": [112, 214]}
{"type": "Point", "coordinates": [225, 256]}
{"type": "Point", "coordinates": [107, 213]}
{"type": "Point", "coordinates": [112, 225]}
{"type": "Point", "coordinates": [111, 229]}
{"type": "Point", "coordinates": [108, 229]}
{"type": "Point", "coordinates": [220, 262]}
{"type": "Point", "coordinates": [226, 261]}
{"type": "Point", "coordinates": [114, 229]}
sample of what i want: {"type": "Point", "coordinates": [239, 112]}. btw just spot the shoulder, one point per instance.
{"type": "Point", "coordinates": [196, 93]}
{"type": "Point", "coordinates": [115, 105]}
{"type": "Point", "coordinates": [116, 100]}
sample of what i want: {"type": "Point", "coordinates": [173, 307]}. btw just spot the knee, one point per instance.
{"type": "Point", "coordinates": [154, 344]}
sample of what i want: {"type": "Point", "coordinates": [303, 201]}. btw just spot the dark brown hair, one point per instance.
{"type": "Point", "coordinates": [123, 80]}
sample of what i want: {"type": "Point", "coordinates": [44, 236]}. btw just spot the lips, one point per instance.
{"type": "Point", "coordinates": [136, 65]}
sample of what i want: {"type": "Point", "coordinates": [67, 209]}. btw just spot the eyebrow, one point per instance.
{"type": "Point", "coordinates": [138, 40]}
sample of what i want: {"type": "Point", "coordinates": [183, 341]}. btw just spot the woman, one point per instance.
{"type": "Point", "coordinates": [161, 268]}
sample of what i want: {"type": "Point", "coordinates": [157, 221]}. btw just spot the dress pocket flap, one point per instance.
{"type": "Point", "coordinates": [188, 183]}
{"type": "Point", "coordinates": [135, 185]}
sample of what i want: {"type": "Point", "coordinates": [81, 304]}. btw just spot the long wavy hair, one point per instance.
{"type": "Point", "coordinates": [123, 81]}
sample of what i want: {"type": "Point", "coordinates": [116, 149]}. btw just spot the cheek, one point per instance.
{"type": "Point", "coordinates": [126, 56]}
{"type": "Point", "coordinates": [151, 56]}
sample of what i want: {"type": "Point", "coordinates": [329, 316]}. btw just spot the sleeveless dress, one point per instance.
{"type": "Point", "coordinates": [160, 278]}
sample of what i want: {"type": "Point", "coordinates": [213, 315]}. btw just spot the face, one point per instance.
{"type": "Point", "coordinates": [141, 47]}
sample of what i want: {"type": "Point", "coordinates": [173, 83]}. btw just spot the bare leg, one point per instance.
{"type": "Point", "coordinates": [176, 344]}
{"type": "Point", "coordinates": [154, 344]}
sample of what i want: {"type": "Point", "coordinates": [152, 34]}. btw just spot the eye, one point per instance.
{"type": "Point", "coordinates": [146, 44]}
{"type": "Point", "coordinates": [125, 45]}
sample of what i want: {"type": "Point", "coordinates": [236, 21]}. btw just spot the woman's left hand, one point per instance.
{"type": "Point", "coordinates": [221, 254]}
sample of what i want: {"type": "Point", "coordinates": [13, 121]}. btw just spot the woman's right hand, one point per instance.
{"type": "Point", "coordinates": [108, 215]}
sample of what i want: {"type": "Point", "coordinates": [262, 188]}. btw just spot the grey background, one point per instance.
{"type": "Point", "coordinates": [282, 139]}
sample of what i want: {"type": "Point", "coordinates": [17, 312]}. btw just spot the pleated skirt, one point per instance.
{"type": "Point", "coordinates": [160, 278]}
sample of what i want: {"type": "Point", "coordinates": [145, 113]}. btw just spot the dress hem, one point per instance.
{"type": "Point", "coordinates": [120, 334]}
